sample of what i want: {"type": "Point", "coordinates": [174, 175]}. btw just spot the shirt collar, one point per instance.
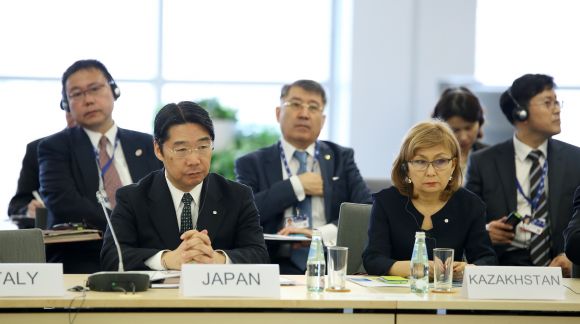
{"type": "Point", "coordinates": [522, 150]}
{"type": "Point", "coordinates": [289, 149]}
{"type": "Point", "coordinates": [95, 137]}
{"type": "Point", "coordinates": [177, 194]}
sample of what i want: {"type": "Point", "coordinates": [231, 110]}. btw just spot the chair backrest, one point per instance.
{"type": "Point", "coordinates": [22, 246]}
{"type": "Point", "coordinates": [353, 224]}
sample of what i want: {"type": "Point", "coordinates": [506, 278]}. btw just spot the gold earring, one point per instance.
{"type": "Point", "coordinates": [408, 180]}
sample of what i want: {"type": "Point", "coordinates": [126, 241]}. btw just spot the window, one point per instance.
{"type": "Point", "coordinates": [158, 51]}
{"type": "Point", "coordinates": [515, 37]}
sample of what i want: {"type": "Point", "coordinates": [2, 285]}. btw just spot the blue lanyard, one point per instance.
{"type": "Point", "coordinates": [108, 164]}
{"type": "Point", "coordinates": [283, 157]}
{"type": "Point", "coordinates": [534, 202]}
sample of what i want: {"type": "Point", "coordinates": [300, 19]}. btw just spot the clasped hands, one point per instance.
{"type": "Point", "coordinates": [194, 248]}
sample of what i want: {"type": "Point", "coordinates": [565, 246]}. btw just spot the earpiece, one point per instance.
{"type": "Point", "coordinates": [404, 168]}
{"type": "Point", "coordinates": [114, 88]}
{"type": "Point", "coordinates": [520, 113]}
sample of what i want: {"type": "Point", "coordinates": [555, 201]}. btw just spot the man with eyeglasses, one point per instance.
{"type": "Point", "coordinates": [532, 174]}
{"type": "Point", "coordinates": [95, 155]}
{"type": "Point", "coordinates": [300, 182]}
{"type": "Point", "coordinates": [182, 213]}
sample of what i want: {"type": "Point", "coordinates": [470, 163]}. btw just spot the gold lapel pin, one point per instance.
{"type": "Point", "coordinates": [214, 212]}
{"type": "Point", "coordinates": [327, 157]}
{"type": "Point", "coordinates": [139, 152]}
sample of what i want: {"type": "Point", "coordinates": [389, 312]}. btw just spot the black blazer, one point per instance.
{"type": "Point", "coordinates": [459, 225]}
{"type": "Point", "coordinates": [572, 232]}
{"type": "Point", "coordinates": [145, 222]}
{"type": "Point", "coordinates": [491, 175]}
{"type": "Point", "coordinates": [69, 177]}
{"type": "Point", "coordinates": [262, 171]}
{"type": "Point", "coordinates": [27, 182]}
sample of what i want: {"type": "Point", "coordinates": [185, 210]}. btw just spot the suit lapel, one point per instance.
{"type": "Point", "coordinates": [211, 212]}
{"type": "Point", "coordinates": [326, 161]}
{"type": "Point", "coordinates": [272, 165]}
{"type": "Point", "coordinates": [506, 169]}
{"type": "Point", "coordinates": [162, 212]}
{"type": "Point", "coordinates": [84, 154]}
{"type": "Point", "coordinates": [555, 179]}
{"type": "Point", "coordinates": [134, 154]}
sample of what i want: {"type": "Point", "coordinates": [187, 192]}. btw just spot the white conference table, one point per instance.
{"type": "Point", "coordinates": [361, 305]}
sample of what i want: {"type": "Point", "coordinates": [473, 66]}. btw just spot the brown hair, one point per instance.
{"type": "Point", "coordinates": [421, 136]}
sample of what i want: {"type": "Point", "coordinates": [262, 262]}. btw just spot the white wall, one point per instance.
{"type": "Point", "coordinates": [400, 51]}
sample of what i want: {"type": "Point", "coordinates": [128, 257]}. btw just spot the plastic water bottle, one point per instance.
{"type": "Point", "coordinates": [315, 265]}
{"type": "Point", "coordinates": [419, 265]}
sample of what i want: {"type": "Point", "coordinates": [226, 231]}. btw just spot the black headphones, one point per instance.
{"type": "Point", "coordinates": [520, 113]}
{"type": "Point", "coordinates": [114, 88]}
{"type": "Point", "coordinates": [404, 168]}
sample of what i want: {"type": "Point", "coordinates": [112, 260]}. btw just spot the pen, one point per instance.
{"type": "Point", "coordinates": [37, 197]}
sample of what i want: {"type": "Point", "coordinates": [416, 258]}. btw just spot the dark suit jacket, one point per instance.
{"type": "Point", "coordinates": [572, 232]}
{"type": "Point", "coordinates": [262, 171]}
{"type": "Point", "coordinates": [27, 182]}
{"type": "Point", "coordinates": [459, 225]}
{"type": "Point", "coordinates": [69, 177]}
{"type": "Point", "coordinates": [145, 222]}
{"type": "Point", "coordinates": [491, 175]}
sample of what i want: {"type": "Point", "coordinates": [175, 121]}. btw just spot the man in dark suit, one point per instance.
{"type": "Point", "coordinates": [530, 173]}
{"type": "Point", "coordinates": [24, 202]}
{"type": "Point", "coordinates": [294, 201]}
{"type": "Point", "coordinates": [183, 214]}
{"type": "Point", "coordinates": [96, 154]}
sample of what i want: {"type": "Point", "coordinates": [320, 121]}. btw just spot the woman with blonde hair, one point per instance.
{"type": "Point", "coordinates": [426, 196]}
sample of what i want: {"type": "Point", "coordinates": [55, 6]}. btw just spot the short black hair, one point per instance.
{"type": "Point", "coordinates": [177, 114]}
{"type": "Point", "coordinates": [84, 65]}
{"type": "Point", "coordinates": [460, 102]}
{"type": "Point", "coordinates": [523, 89]}
{"type": "Point", "coordinates": [308, 86]}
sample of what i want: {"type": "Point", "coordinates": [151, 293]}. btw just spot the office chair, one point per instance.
{"type": "Point", "coordinates": [22, 246]}
{"type": "Point", "coordinates": [353, 222]}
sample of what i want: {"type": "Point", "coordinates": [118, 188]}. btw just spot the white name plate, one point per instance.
{"type": "Point", "coordinates": [513, 283]}
{"type": "Point", "coordinates": [31, 279]}
{"type": "Point", "coordinates": [230, 280]}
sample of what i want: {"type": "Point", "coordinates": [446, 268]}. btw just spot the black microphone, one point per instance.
{"type": "Point", "coordinates": [116, 280]}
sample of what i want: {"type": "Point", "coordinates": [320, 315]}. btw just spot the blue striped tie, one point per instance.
{"type": "Point", "coordinates": [539, 244]}
{"type": "Point", "coordinates": [304, 207]}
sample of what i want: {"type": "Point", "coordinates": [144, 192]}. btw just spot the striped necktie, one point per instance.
{"type": "Point", "coordinates": [304, 206]}
{"type": "Point", "coordinates": [539, 244]}
{"type": "Point", "coordinates": [111, 180]}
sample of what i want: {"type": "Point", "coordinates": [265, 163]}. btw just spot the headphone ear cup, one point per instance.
{"type": "Point", "coordinates": [115, 89]}
{"type": "Point", "coordinates": [63, 104]}
{"type": "Point", "coordinates": [520, 113]}
{"type": "Point", "coordinates": [404, 168]}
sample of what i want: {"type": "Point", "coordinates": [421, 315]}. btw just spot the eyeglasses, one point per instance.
{"type": "Point", "coordinates": [299, 105]}
{"type": "Point", "coordinates": [185, 151]}
{"type": "Point", "coordinates": [422, 165]}
{"type": "Point", "coordinates": [92, 90]}
{"type": "Point", "coordinates": [551, 104]}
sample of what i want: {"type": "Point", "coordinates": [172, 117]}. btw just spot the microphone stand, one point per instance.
{"type": "Point", "coordinates": [116, 280]}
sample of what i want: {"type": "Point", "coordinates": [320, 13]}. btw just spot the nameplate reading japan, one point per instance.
{"type": "Point", "coordinates": [513, 283]}
{"type": "Point", "coordinates": [31, 279]}
{"type": "Point", "coordinates": [230, 280]}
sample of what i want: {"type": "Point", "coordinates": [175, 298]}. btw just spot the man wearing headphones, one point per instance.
{"type": "Point", "coordinates": [532, 174]}
{"type": "Point", "coordinates": [95, 155]}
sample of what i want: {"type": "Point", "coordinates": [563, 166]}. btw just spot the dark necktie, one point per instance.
{"type": "Point", "coordinates": [304, 206]}
{"type": "Point", "coordinates": [539, 244]}
{"type": "Point", "coordinates": [111, 180]}
{"type": "Point", "coordinates": [186, 219]}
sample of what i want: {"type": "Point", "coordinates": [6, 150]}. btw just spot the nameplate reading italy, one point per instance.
{"type": "Point", "coordinates": [513, 283]}
{"type": "Point", "coordinates": [230, 280]}
{"type": "Point", "coordinates": [31, 279]}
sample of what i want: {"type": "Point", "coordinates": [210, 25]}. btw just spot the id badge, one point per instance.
{"type": "Point", "coordinates": [536, 226]}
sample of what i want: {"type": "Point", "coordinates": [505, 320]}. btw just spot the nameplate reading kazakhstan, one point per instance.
{"type": "Point", "coordinates": [230, 280]}
{"type": "Point", "coordinates": [513, 283]}
{"type": "Point", "coordinates": [31, 279]}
